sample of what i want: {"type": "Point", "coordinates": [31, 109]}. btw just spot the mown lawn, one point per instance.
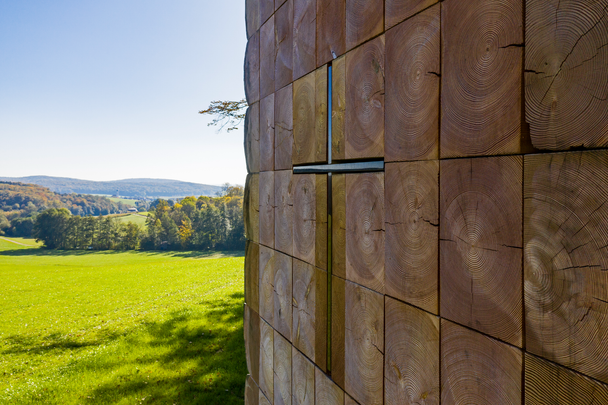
{"type": "Point", "coordinates": [120, 328]}
{"type": "Point", "coordinates": [136, 219]}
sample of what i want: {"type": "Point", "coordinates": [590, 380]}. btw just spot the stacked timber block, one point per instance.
{"type": "Point", "coordinates": [472, 269]}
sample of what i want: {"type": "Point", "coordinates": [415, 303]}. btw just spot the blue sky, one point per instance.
{"type": "Point", "coordinates": [105, 90]}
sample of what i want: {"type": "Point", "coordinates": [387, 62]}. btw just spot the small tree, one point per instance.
{"type": "Point", "coordinates": [226, 113]}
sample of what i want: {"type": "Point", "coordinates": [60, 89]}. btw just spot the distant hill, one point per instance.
{"type": "Point", "coordinates": [135, 188]}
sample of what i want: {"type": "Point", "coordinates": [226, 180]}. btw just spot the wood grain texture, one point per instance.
{"type": "Point", "coordinates": [252, 138]}
{"type": "Point", "coordinates": [283, 214]}
{"type": "Point", "coordinates": [364, 344]}
{"type": "Point", "coordinates": [412, 88]}
{"type": "Point", "coordinates": [480, 245]}
{"type": "Point", "coordinates": [476, 369]}
{"type": "Point", "coordinates": [283, 128]}
{"type": "Point", "coordinates": [263, 399]}
{"type": "Point", "coordinates": [364, 131]}
{"type": "Point", "coordinates": [326, 391]}
{"type": "Point", "coordinates": [411, 362]}
{"type": "Point", "coordinates": [302, 379]}
{"type": "Point", "coordinates": [365, 230]}
{"type": "Point", "coordinates": [309, 139]}
{"type": "Point", "coordinates": [550, 384]}
{"type": "Point", "coordinates": [565, 259]}
{"type": "Point", "coordinates": [252, 342]}
{"type": "Point", "coordinates": [321, 221]}
{"type": "Point", "coordinates": [338, 323]}
{"type": "Point", "coordinates": [412, 233]}
{"type": "Point", "coordinates": [331, 30]}
{"type": "Point", "coordinates": [282, 370]}
{"type": "Point", "coordinates": [304, 217]}
{"type": "Point", "coordinates": [282, 293]}
{"type": "Point", "coordinates": [338, 108]}
{"type": "Point", "coordinates": [566, 73]}
{"type": "Point", "coordinates": [338, 225]}
{"type": "Point", "coordinates": [364, 20]}
{"type": "Point", "coordinates": [278, 3]}
{"type": "Point", "coordinates": [481, 77]}
{"type": "Point", "coordinates": [252, 16]}
{"type": "Point", "coordinates": [267, 133]}
{"type": "Point", "coordinates": [321, 114]}
{"type": "Point", "coordinates": [283, 29]}
{"type": "Point", "coordinates": [266, 284]}
{"type": "Point", "coordinates": [251, 207]}
{"type": "Point", "coordinates": [266, 359]}
{"type": "Point", "coordinates": [321, 336]}
{"type": "Point", "coordinates": [252, 69]}
{"type": "Point", "coordinates": [251, 392]}
{"type": "Point", "coordinates": [399, 10]}
{"type": "Point", "coordinates": [252, 275]}
{"type": "Point", "coordinates": [266, 210]}
{"type": "Point", "coordinates": [266, 10]}
{"type": "Point", "coordinates": [348, 400]}
{"type": "Point", "coordinates": [304, 33]}
{"type": "Point", "coordinates": [267, 55]}
{"type": "Point", "coordinates": [304, 308]}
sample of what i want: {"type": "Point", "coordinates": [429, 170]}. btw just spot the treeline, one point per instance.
{"type": "Point", "coordinates": [20, 203]}
{"type": "Point", "coordinates": [204, 223]}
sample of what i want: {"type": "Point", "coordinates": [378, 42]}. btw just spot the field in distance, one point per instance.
{"type": "Point", "coordinates": [81, 327]}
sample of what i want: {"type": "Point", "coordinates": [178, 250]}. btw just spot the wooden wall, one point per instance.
{"type": "Point", "coordinates": [474, 268]}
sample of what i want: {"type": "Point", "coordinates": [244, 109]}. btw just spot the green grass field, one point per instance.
{"type": "Point", "coordinates": [135, 218]}
{"type": "Point", "coordinates": [123, 200]}
{"type": "Point", "coordinates": [120, 328]}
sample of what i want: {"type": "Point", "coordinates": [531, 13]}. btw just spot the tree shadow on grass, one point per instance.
{"type": "Point", "coordinates": [173, 253]}
{"type": "Point", "coordinates": [198, 357]}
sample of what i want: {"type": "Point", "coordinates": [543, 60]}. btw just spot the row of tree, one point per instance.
{"type": "Point", "coordinates": [204, 223]}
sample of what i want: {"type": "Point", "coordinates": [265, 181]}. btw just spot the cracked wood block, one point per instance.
{"type": "Point", "coordinates": [549, 384]}
{"type": "Point", "coordinates": [283, 64]}
{"type": "Point", "coordinates": [321, 222]}
{"type": "Point", "coordinates": [302, 379]}
{"type": "Point", "coordinates": [566, 73]}
{"type": "Point", "coordinates": [399, 10]}
{"type": "Point", "coordinates": [412, 88]}
{"type": "Point", "coordinates": [364, 20]}
{"type": "Point", "coordinates": [331, 30]}
{"type": "Point", "coordinates": [278, 3]}
{"type": "Point", "coordinates": [266, 359]}
{"type": "Point", "coordinates": [252, 138]}
{"type": "Point", "coordinates": [283, 214]}
{"type": "Point", "coordinates": [267, 55]}
{"type": "Point", "coordinates": [266, 10]}
{"type": "Point", "coordinates": [266, 211]}
{"type": "Point", "coordinates": [338, 313]}
{"type": "Point", "coordinates": [282, 294]}
{"type": "Point", "coordinates": [326, 391]}
{"type": "Point", "coordinates": [348, 400]}
{"type": "Point", "coordinates": [481, 245]}
{"type": "Point", "coordinates": [267, 133]}
{"type": "Point", "coordinates": [252, 342]}
{"type": "Point", "coordinates": [338, 108]}
{"type": "Point", "coordinates": [283, 128]}
{"type": "Point", "coordinates": [251, 392]}
{"type": "Point", "coordinates": [304, 217]}
{"type": "Point", "coordinates": [365, 230]}
{"type": "Point", "coordinates": [252, 271]}
{"type": "Point", "coordinates": [263, 399]}
{"type": "Point", "coordinates": [565, 259]}
{"type": "Point", "coordinates": [411, 362]}
{"type": "Point", "coordinates": [412, 233]}
{"type": "Point", "coordinates": [267, 267]}
{"type": "Point", "coordinates": [251, 207]}
{"type": "Point", "coordinates": [476, 369]}
{"type": "Point", "coordinates": [309, 126]}
{"type": "Point", "coordinates": [338, 225]}
{"type": "Point", "coordinates": [364, 344]}
{"type": "Point", "coordinates": [309, 332]}
{"type": "Point", "coordinates": [252, 16]}
{"type": "Point", "coordinates": [304, 36]}
{"type": "Point", "coordinates": [364, 125]}
{"type": "Point", "coordinates": [282, 370]}
{"type": "Point", "coordinates": [481, 92]}
{"type": "Point", "coordinates": [252, 69]}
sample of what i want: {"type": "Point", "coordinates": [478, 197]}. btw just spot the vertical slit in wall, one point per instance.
{"type": "Point", "coordinates": [329, 217]}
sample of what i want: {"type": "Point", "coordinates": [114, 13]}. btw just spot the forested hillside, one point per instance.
{"type": "Point", "coordinates": [20, 203]}
{"type": "Point", "coordinates": [135, 188]}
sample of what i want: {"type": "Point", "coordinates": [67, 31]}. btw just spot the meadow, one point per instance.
{"type": "Point", "coordinates": [138, 219]}
{"type": "Point", "coordinates": [120, 328]}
